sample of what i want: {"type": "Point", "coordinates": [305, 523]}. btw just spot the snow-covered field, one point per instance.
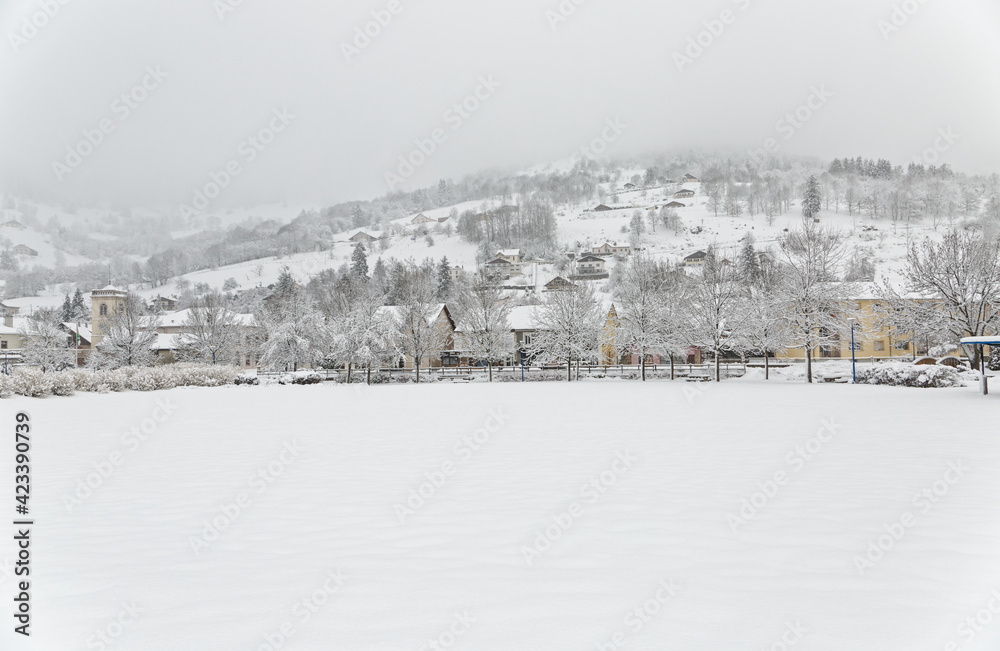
{"type": "Point", "coordinates": [597, 515]}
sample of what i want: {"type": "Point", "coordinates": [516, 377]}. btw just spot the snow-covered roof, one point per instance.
{"type": "Point", "coordinates": [83, 330]}
{"type": "Point", "coordinates": [165, 342]}
{"type": "Point", "coordinates": [524, 317]}
{"type": "Point", "coordinates": [510, 252]}
{"type": "Point", "coordinates": [180, 318]}
{"type": "Point", "coordinates": [396, 312]}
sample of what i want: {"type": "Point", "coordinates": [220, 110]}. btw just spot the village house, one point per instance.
{"type": "Point", "coordinates": [423, 219]}
{"type": "Point", "coordinates": [675, 204]}
{"type": "Point", "coordinates": [603, 208]}
{"type": "Point", "coordinates": [684, 194]}
{"type": "Point", "coordinates": [363, 237]}
{"type": "Point", "coordinates": [21, 249]}
{"type": "Point", "coordinates": [696, 259]}
{"type": "Point", "coordinates": [590, 264]}
{"type": "Point", "coordinates": [558, 284]}
{"type": "Point", "coordinates": [80, 340]}
{"type": "Point", "coordinates": [443, 330]}
{"type": "Point", "coordinates": [165, 303]}
{"type": "Point", "coordinates": [630, 186]}
{"type": "Point", "coordinates": [523, 326]}
{"type": "Point", "coordinates": [171, 327]}
{"type": "Point", "coordinates": [612, 249]}
{"type": "Point", "coordinates": [688, 178]}
{"type": "Point", "coordinates": [14, 224]}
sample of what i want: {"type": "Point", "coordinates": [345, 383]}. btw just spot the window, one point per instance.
{"type": "Point", "coordinates": [879, 345]}
{"type": "Point", "coordinates": [526, 340]}
{"type": "Point", "coordinates": [104, 309]}
{"type": "Point", "coordinates": [902, 345]}
{"type": "Point", "coordinates": [857, 347]}
{"type": "Point", "coordinates": [3, 345]}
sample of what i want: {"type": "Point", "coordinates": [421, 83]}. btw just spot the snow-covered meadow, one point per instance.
{"type": "Point", "coordinates": [539, 516]}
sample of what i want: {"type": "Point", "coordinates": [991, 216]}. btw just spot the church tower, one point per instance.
{"type": "Point", "coordinates": [104, 303]}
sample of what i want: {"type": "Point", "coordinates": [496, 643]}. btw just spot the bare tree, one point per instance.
{"type": "Point", "coordinates": [211, 333]}
{"type": "Point", "coordinates": [643, 320]}
{"type": "Point", "coordinates": [569, 327]}
{"type": "Point", "coordinates": [45, 343]}
{"type": "Point", "coordinates": [485, 319]}
{"type": "Point", "coordinates": [963, 273]}
{"type": "Point", "coordinates": [817, 306]}
{"type": "Point", "coordinates": [417, 322]}
{"type": "Point", "coordinates": [716, 312]}
{"type": "Point", "coordinates": [128, 337]}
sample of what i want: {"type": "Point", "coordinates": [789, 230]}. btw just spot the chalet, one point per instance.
{"type": "Point", "coordinates": [558, 284]}
{"type": "Point", "coordinates": [688, 178]}
{"type": "Point", "coordinates": [604, 249]}
{"type": "Point", "coordinates": [21, 249]}
{"type": "Point", "coordinates": [443, 332]}
{"type": "Point", "coordinates": [590, 264]}
{"type": "Point", "coordinates": [363, 238]}
{"type": "Point", "coordinates": [13, 223]}
{"type": "Point", "coordinates": [423, 219]}
{"type": "Point", "coordinates": [630, 186]}
{"type": "Point", "coordinates": [510, 255]}
{"type": "Point", "coordinates": [612, 249]}
{"type": "Point", "coordinates": [80, 340]}
{"type": "Point", "coordinates": [696, 259]}
{"type": "Point", "coordinates": [442, 220]}
{"type": "Point", "coordinates": [523, 325]}
{"type": "Point", "coordinates": [675, 204]}
{"type": "Point", "coordinates": [684, 194]}
{"type": "Point", "coordinates": [165, 303]}
{"type": "Point", "coordinates": [603, 208]}
{"type": "Point", "coordinates": [499, 268]}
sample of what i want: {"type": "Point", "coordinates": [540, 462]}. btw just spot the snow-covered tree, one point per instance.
{"type": "Point", "coordinates": [45, 344]}
{"type": "Point", "coordinates": [444, 279]}
{"type": "Point", "coordinates": [297, 335]}
{"type": "Point", "coordinates": [365, 333]}
{"type": "Point", "coordinates": [812, 201]}
{"type": "Point", "coordinates": [716, 312]}
{"type": "Point", "coordinates": [817, 308]}
{"type": "Point", "coordinates": [962, 272]}
{"type": "Point", "coordinates": [359, 261]}
{"type": "Point", "coordinates": [485, 321]}
{"type": "Point", "coordinates": [569, 327]}
{"type": "Point", "coordinates": [644, 324]}
{"type": "Point", "coordinates": [211, 333]}
{"type": "Point", "coordinates": [417, 327]}
{"type": "Point", "coordinates": [128, 337]}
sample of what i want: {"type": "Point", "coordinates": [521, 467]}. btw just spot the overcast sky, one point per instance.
{"type": "Point", "coordinates": [881, 91]}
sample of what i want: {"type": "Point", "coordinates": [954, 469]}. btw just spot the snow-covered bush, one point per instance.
{"type": "Point", "coordinates": [33, 383]}
{"type": "Point", "coordinates": [907, 375]}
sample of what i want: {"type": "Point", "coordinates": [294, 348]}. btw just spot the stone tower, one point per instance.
{"type": "Point", "coordinates": [104, 303]}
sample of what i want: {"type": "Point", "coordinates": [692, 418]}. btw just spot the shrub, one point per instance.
{"type": "Point", "coordinates": [906, 375]}
{"type": "Point", "coordinates": [33, 383]}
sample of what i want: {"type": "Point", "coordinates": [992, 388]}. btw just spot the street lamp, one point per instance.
{"type": "Point", "coordinates": [854, 363]}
